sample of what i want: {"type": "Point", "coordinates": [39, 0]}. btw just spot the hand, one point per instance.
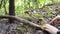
{"type": "Point", "coordinates": [51, 29]}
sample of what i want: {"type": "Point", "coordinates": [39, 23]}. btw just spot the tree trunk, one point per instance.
{"type": "Point", "coordinates": [11, 10]}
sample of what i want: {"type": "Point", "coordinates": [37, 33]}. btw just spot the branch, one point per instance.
{"type": "Point", "coordinates": [25, 21]}
{"type": "Point", "coordinates": [22, 20]}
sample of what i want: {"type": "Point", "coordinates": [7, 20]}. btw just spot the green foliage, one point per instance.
{"type": "Point", "coordinates": [22, 5]}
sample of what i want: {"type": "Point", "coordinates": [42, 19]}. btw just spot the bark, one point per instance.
{"type": "Point", "coordinates": [11, 10]}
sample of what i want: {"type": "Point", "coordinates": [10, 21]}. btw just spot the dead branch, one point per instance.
{"type": "Point", "coordinates": [25, 21]}
{"type": "Point", "coordinates": [22, 20]}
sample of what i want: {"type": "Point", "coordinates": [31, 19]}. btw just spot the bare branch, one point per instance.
{"type": "Point", "coordinates": [22, 20]}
